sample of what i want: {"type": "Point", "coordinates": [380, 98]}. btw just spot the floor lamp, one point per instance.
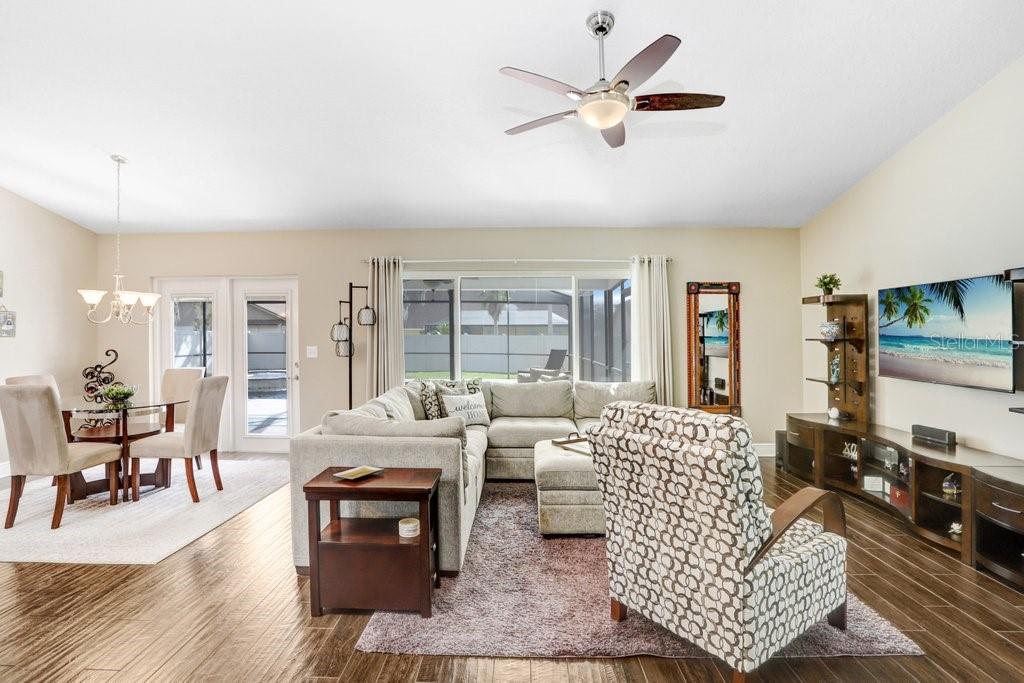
{"type": "Point", "coordinates": [341, 331]}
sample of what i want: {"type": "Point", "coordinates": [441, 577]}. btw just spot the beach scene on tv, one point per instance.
{"type": "Point", "coordinates": [953, 332]}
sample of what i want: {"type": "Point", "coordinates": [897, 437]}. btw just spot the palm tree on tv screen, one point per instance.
{"type": "Point", "coordinates": [915, 300]}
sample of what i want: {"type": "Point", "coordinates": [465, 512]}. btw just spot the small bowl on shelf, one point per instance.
{"type": "Point", "coordinates": [829, 330]}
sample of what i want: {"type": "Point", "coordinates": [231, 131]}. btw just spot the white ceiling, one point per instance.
{"type": "Point", "coordinates": [241, 115]}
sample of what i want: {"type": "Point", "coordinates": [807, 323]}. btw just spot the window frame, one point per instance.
{"type": "Point", "coordinates": [575, 338]}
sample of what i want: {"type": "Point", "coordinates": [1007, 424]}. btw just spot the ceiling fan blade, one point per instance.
{"type": "Point", "coordinates": [543, 82]}
{"type": "Point", "coordinates": [646, 62]}
{"type": "Point", "coordinates": [537, 123]}
{"type": "Point", "coordinates": [669, 101]}
{"type": "Point", "coordinates": [615, 136]}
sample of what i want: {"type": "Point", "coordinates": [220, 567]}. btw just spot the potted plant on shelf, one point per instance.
{"type": "Point", "coordinates": [828, 283]}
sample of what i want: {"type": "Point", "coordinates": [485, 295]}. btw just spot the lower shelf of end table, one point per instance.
{"type": "Point", "coordinates": [365, 564]}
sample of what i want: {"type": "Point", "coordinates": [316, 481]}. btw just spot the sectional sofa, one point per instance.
{"type": "Point", "coordinates": [392, 431]}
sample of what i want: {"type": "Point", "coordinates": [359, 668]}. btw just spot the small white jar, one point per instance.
{"type": "Point", "coordinates": [409, 527]}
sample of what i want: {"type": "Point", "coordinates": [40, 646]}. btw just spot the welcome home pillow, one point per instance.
{"type": "Point", "coordinates": [470, 407]}
{"type": "Point", "coordinates": [432, 390]}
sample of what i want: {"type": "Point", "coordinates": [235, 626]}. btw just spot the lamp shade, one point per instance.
{"type": "Point", "coordinates": [92, 297]}
{"type": "Point", "coordinates": [341, 332]}
{"type": "Point", "coordinates": [148, 299]}
{"type": "Point", "coordinates": [343, 349]}
{"type": "Point", "coordinates": [366, 316]}
{"type": "Point", "coordinates": [128, 298]}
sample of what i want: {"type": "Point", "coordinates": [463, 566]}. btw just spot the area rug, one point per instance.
{"type": "Point", "coordinates": [163, 521]}
{"type": "Point", "coordinates": [520, 595]}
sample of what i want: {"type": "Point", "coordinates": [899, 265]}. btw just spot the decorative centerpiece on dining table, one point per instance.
{"type": "Point", "coordinates": [119, 396]}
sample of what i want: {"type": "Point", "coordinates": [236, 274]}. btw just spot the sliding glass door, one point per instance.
{"type": "Point", "coordinates": [517, 327]}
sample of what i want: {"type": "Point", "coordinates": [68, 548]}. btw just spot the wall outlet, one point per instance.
{"type": "Point", "coordinates": [312, 351]}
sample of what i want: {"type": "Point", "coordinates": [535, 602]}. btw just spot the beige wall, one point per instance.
{"type": "Point", "coordinates": [45, 258]}
{"type": "Point", "coordinates": [764, 261]}
{"type": "Point", "coordinates": [950, 204]}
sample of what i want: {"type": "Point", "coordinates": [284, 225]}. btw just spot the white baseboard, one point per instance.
{"type": "Point", "coordinates": [765, 450]}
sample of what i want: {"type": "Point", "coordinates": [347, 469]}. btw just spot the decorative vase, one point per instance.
{"type": "Point", "coordinates": [951, 486]}
{"type": "Point", "coordinates": [835, 370]}
{"type": "Point", "coordinates": [829, 330]}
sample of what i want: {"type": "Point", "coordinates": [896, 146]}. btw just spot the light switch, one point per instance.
{"type": "Point", "coordinates": [312, 351]}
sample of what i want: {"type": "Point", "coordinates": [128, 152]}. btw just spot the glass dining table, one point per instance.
{"type": "Point", "coordinates": [118, 424]}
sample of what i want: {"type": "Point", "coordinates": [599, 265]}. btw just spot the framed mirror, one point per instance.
{"type": "Point", "coordinates": [713, 345]}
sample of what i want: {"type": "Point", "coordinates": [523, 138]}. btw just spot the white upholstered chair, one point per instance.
{"type": "Point", "coordinates": [39, 447]}
{"type": "Point", "coordinates": [45, 380]}
{"type": "Point", "coordinates": [692, 546]}
{"type": "Point", "coordinates": [177, 385]}
{"type": "Point", "coordinates": [200, 435]}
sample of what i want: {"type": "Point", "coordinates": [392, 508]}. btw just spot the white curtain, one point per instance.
{"type": "Point", "coordinates": [386, 344]}
{"type": "Point", "coordinates": [650, 329]}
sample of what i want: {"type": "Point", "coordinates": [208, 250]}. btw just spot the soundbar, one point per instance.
{"type": "Point", "coordinates": [934, 435]}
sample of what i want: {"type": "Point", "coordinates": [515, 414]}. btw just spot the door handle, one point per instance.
{"type": "Point", "coordinates": [296, 378]}
{"type": "Point", "coordinates": [1003, 507]}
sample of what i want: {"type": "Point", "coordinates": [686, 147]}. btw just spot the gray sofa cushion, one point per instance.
{"type": "Point", "coordinates": [585, 423]}
{"type": "Point", "coordinates": [524, 432]}
{"type": "Point", "coordinates": [353, 423]}
{"type": "Point", "coordinates": [476, 440]}
{"type": "Point", "coordinates": [555, 469]}
{"type": "Point", "coordinates": [413, 388]}
{"type": "Point", "coordinates": [373, 408]}
{"type": "Point", "coordinates": [397, 404]}
{"type": "Point", "coordinates": [591, 397]}
{"type": "Point", "coordinates": [542, 399]}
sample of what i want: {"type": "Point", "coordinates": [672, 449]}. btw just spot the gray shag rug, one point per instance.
{"type": "Point", "coordinates": [521, 595]}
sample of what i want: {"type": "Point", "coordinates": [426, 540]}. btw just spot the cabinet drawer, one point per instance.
{"type": "Point", "coordinates": [999, 504]}
{"type": "Point", "coordinates": [798, 435]}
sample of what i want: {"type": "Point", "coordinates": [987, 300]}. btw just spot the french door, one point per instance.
{"type": "Point", "coordinates": [192, 329]}
{"type": "Point", "coordinates": [244, 328]}
{"type": "Point", "coordinates": [264, 363]}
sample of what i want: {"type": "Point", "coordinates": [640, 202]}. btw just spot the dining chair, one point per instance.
{"type": "Point", "coordinates": [45, 380]}
{"type": "Point", "coordinates": [177, 385]}
{"type": "Point", "coordinates": [39, 447]}
{"type": "Point", "coordinates": [200, 436]}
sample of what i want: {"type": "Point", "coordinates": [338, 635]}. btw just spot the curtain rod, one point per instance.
{"type": "Point", "coordinates": [515, 260]}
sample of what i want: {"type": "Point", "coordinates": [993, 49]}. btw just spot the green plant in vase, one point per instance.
{"type": "Point", "coordinates": [119, 396]}
{"type": "Point", "coordinates": [828, 283]}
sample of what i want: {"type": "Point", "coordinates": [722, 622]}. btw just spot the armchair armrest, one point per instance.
{"type": "Point", "coordinates": [795, 507]}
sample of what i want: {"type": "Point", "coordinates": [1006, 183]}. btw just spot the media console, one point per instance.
{"type": "Point", "coordinates": [928, 487]}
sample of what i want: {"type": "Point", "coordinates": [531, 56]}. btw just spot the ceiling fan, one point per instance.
{"type": "Point", "coordinates": [605, 104]}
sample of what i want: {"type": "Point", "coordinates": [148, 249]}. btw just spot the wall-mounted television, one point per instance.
{"type": "Point", "coordinates": [955, 332]}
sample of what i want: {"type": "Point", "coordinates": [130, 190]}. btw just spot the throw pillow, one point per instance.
{"type": "Point", "coordinates": [431, 403]}
{"type": "Point", "coordinates": [470, 407]}
{"type": "Point", "coordinates": [431, 390]}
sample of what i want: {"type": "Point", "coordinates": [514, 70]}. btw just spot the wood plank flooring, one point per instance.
{"type": "Point", "coordinates": [230, 607]}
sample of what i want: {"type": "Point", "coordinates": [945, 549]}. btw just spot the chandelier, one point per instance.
{"type": "Point", "coordinates": [123, 303]}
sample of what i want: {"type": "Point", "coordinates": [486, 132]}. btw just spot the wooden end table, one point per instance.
{"type": "Point", "coordinates": [362, 562]}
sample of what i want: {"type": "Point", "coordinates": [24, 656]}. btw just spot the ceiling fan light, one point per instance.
{"type": "Point", "coordinates": [603, 109]}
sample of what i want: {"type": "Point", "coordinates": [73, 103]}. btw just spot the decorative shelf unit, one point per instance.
{"type": "Point", "coordinates": [851, 393]}
{"type": "Point", "coordinates": [905, 476]}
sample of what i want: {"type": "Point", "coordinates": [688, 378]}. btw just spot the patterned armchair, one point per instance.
{"type": "Point", "coordinates": [692, 546]}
